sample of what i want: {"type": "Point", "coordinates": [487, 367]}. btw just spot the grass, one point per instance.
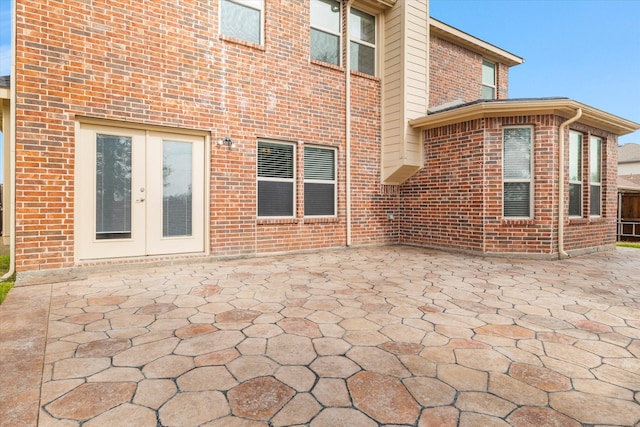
{"type": "Point", "coordinates": [629, 244]}
{"type": "Point", "coordinates": [5, 286]}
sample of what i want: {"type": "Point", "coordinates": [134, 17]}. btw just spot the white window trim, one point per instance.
{"type": "Point", "coordinates": [267, 179]}
{"type": "Point", "coordinates": [594, 183]}
{"type": "Point", "coordinates": [322, 181]}
{"type": "Point", "coordinates": [495, 78]}
{"type": "Point", "coordinates": [328, 31]}
{"type": "Point", "coordinates": [251, 4]}
{"type": "Point", "coordinates": [579, 181]}
{"type": "Point", "coordinates": [375, 46]}
{"type": "Point", "coordinates": [531, 179]}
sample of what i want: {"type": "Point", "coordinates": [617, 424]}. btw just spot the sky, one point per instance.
{"type": "Point", "coordinates": [587, 50]}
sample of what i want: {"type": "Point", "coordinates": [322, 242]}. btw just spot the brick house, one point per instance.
{"type": "Point", "coordinates": [163, 130]}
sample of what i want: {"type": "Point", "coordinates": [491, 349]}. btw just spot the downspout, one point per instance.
{"type": "Point", "coordinates": [561, 251]}
{"type": "Point", "coordinates": [348, 121]}
{"type": "Point", "coordinates": [12, 149]}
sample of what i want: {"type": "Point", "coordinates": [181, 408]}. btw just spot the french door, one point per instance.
{"type": "Point", "coordinates": [138, 193]}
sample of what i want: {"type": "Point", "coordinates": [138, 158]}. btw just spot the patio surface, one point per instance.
{"type": "Point", "coordinates": [356, 337]}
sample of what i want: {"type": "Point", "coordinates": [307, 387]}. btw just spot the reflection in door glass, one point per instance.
{"type": "Point", "coordinates": [176, 183]}
{"type": "Point", "coordinates": [113, 187]}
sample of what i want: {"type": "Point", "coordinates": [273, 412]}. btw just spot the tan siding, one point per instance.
{"type": "Point", "coordinates": [405, 96]}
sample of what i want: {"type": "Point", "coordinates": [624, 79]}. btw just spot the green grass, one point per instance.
{"type": "Point", "coordinates": [5, 286]}
{"type": "Point", "coordinates": [629, 244]}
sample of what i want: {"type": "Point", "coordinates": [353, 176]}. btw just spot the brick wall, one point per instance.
{"type": "Point", "coordinates": [455, 73]}
{"type": "Point", "coordinates": [456, 200]}
{"type": "Point", "coordinates": [163, 63]}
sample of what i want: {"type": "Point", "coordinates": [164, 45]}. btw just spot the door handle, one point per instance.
{"type": "Point", "coordinates": [139, 200]}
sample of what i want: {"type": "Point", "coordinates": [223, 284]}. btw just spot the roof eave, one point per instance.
{"type": "Point", "coordinates": [561, 107]}
{"type": "Point", "coordinates": [487, 50]}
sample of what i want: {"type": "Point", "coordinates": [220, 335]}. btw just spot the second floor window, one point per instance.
{"type": "Point", "coordinates": [242, 19]}
{"type": "Point", "coordinates": [575, 174]}
{"type": "Point", "coordinates": [595, 176]}
{"type": "Point", "coordinates": [325, 31]}
{"type": "Point", "coordinates": [517, 167]}
{"type": "Point", "coordinates": [488, 80]}
{"type": "Point", "coordinates": [362, 27]}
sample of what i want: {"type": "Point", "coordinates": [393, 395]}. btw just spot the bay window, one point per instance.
{"type": "Point", "coordinates": [595, 176]}
{"type": "Point", "coordinates": [575, 174]}
{"type": "Point", "coordinates": [517, 172]}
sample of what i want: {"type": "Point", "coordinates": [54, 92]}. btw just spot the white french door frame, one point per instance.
{"type": "Point", "coordinates": [147, 189]}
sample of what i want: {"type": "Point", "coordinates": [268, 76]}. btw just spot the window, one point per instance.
{"type": "Point", "coordinates": [242, 19]}
{"type": "Point", "coordinates": [488, 80]}
{"type": "Point", "coordinates": [319, 181]}
{"type": "Point", "coordinates": [575, 174]}
{"type": "Point", "coordinates": [595, 176]}
{"type": "Point", "coordinates": [363, 42]}
{"type": "Point", "coordinates": [276, 186]}
{"type": "Point", "coordinates": [325, 31]}
{"type": "Point", "coordinates": [517, 167]}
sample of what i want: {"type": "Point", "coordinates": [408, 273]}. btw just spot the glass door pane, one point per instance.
{"type": "Point", "coordinates": [113, 187]}
{"type": "Point", "coordinates": [177, 203]}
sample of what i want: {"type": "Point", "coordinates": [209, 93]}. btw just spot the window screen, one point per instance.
{"type": "Point", "coordinates": [517, 160]}
{"type": "Point", "coordinates": [319, 181]}
{"type": "Point", "coordinates": [276, 189]}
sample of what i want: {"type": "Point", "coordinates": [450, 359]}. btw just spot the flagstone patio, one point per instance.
{"type": "Point", "coordinates": [355, 337]}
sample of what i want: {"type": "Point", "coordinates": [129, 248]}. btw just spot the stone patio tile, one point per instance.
{"type": "Point", "coordinates": [330, 346]}
{"type": "Point", "coordinates": [342, 417]}
{"type": "Point", "coordinates": [132, 321]}
{"type": "Point", "coordinates": [208, 343]}
{"type": "Point", "coordinates": [506, 331]}
{"type": "Point", "coordinates": [376, 360]}
{"type": "Point", "coordinates": [601, 388]}
{"type": "Point", "coordinates": [46, 420]}
{"type": "Point", "coordinates": [90, 400]}
{"type": "Point", "coordinates": [484, 403]}
{"type": "Point", "coordinates": [127, 333]}
{"type": "Point", "coordinates": [332, 392]}
{"type": "Point", "coordinates": [567, 369]}
{"type": "Point", "coordinates": [142, 354]}
{"type": "Point", "coordinates": [300, 326]}
{"type": "Point", "coordinates": [334, 367]}
{"type": "Point", "coordinates": [572, 354]}
{"type": "Point", "coordinates": [470, 419]}
{"type": "Point", "coordinates": [290, 349]}
{"type": "Point", "coordinates": [481, 359]}
{"type": "Point", "coordinates": [403, 333]}
{"type": "Point", "coordinates": [193, 330]}
{"type": "Point", "coordinates": [154, 393]}
{"type": "Point", "coordinates": [364, 338]}
{"type": "Point", "coordinates": [430, 392]}
{"type": "Point", "coordinates": [516, 391]}
{"type": "Point", "coordinates": [463, 379]}
{"type": "Point", "coordinates": [168, 367]}
{"type": "Point", "coordinates": [259, 398]}
{"type": "Point", "coordinates": [207, 378]}
{"type": "Point", "coordinates": [126, 415]}
{"type": "Point", "coordinates": [247, 367]}
{"type": "Point", "coordinates": [383, 398]}
{"type": "Point", "coordinates": [603, 349]}
{"type": "Point", "coordinates": [117, 375]}
{"type": "Point", "coordinates": [628, 378]}
{"type": "Point", "coordinates": [444, 416]}
{"type": "Point", "coordinates": [235, 422]}
{"type": "Point", "coordinates": [219, 357]}
{"type": "Point", "coordinates": [300, 410]}
{"type": "Point", "coordinates": [299, 378]}
{"type": "Point", "coordinates": [540, 377]}
{"type": "Point", "coordinates": [593, 409]}
{"type": "Point", "coordinates": [330, 330]}
{"type": "Point", "coordinates": [605, 318]}
{"type": "Point", "coordinates": [79, 367]}
{"type": "Point", "coordinates": [192, 409]}
{"type": "Point", "coordinates": [151, 336]}
{"type": "Point", "coordinates": [530, 416]}
{"type": "Point", "coordinates": [252, 346]}
{"type": "Point", "coordinates": [263, 331]}
{"type": "Point", "coordinates": [51, 390]}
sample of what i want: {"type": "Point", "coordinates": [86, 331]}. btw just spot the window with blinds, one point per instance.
{"type": "Point", "coordinates": [517, 169]}
{"type": "Point", "coordinates": [319, 181]}
{"type": "Point", "coordinates": [575, 174]}
{"type": "Point", "coordinates": [276, 179]}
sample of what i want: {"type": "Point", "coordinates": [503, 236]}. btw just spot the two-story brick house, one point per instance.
{"type": "Point", "coordinates": [163, 130]}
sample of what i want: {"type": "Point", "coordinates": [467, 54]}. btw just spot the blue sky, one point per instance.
{"type": "Point", "coordinates": [587, 50]}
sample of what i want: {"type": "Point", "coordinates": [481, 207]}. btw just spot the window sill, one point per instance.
{"type": "Point", "coordinates": [518, 221]}
{"type": "Point", "coordinates": [578, 221]}
{"type": "Point", "coordinates": [321, 220]}
{"type": "Point", "coordinates": [241, 42]}
{"type": "Point", "coordinates": [365, 75]}
{"type": "Point", "coordinates": [327, 65]}
{"type": "Point", "coordinates": [275, 221]}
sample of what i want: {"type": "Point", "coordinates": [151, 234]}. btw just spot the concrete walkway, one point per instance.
{"type": "Point", "coordinates": [356, 337]}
